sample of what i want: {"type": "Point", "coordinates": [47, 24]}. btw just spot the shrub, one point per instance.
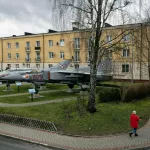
{"type": "Point", "coordinates": [109, 94]}
{"type": "Point", "coordinates": [137, 91]}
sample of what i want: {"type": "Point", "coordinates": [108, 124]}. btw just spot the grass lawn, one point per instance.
{"type": "Point", "coordinates": [111, 118]}
{"type": "Point", "coordinates": [26, 99]}
{"type": "Point", "coordinates": [24, 88]}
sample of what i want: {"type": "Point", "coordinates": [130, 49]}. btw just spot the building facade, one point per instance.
{"type": "Point", "coordinates": [126, 45]}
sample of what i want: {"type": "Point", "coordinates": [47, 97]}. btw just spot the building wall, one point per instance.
{"type": "Point", "coordinates": [136, 45]}
{"type": "Point", "coordinates": [1, 47]}
{"type": "Point", "coordinates": [22, 50]}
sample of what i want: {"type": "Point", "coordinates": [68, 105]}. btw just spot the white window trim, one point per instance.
{"type": "Point", "coordinates": [18, 55]}
{"type": "Point", "coordinates": [77, 43]}
{"type": "Point", "coordinates": [125, 69]}
{"type": "Point", "coordinates": [126, 52]}
{"type": "Point", "coordinates": [50, 42]}
{"type": "Point", "coordinates": [62, 54]}
{"type": "Point", "coordinates": [8, 46]}
{"type": "Point", "coordinates": [52, 54]}
{"type": "Point", "coordinates": [16, 45]}
{"type": "Point", "coordinates": [62, 42]}
{"type": "Point", "coordinates": [109, 38]}
{"type": "Point", "coordinates": [37, 43]}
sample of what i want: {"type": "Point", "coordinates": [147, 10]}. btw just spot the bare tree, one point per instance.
{"type": "Point", "coordinates": [92, 15]}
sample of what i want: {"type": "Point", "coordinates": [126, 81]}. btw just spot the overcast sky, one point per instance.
{"type": "Point", "coordinates": [19, 16]}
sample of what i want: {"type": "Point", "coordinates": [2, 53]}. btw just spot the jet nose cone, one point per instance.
{"type": "Point", "coordinates": [13, 78]}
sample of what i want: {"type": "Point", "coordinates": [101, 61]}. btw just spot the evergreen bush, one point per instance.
{"type": "Point", "coordinates": [106, 94]}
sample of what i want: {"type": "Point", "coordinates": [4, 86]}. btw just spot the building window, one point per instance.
{"type": "Point", "coordinates": [125, 52]}
{"type": "Point", "coordinates": [9, 45]}
{"type": "Point", "coordinates": [9, 56]}
{"type": "Point", "coordinates": [110, 53]}
{"type": "Point", "coordinates": [50, 43]}
{"type": "Point", "coordinates": [88, 55]}
{"type": "Point", "coordinates": [50, 65]}
{"type": "Point", "coordinates": [28, 45]}
{"type": "Point", "coordinates": [76, 66]}
{"type": "Point", "coordinates": [76, 56]}
{"type": "Point", "coordinates": [37, 56]}
{"type": "Point", "coordinates": [8, 66]}
{"type": "Point", "coordinates": [89, 43]}
{"type": "Point", "coordinates": [109, 38]}
{"type": "Point", "coordinates": [126, 38]}
{"type": "Point", "coordinates": [125, 68]}
{"type": "Point", "coordinates": [27, 56]}
{"type": "Point", "coordinates": [51, 54]}
{"type": "Point", "coordinates": [62, 55]}
{"type": "Point", "coordinates": [77, 43]}
{"type": "Point", "coordinates": [37, 65]}
{"type": "Point", "coordinates": [17, 65]}
{"type": "Point", "coordinates": [17, 45]}
{"type": "Point", "coordinates": [37, 43]}
{"type": "Point", "coordinates": [28, 65]}
{"type": "Point", "coordinates": [17, 56]}
{"type": "Point", "coordinates": [62, 43]}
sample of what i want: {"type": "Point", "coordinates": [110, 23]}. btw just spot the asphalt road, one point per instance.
{"type": "Point", "coordinates": [7, 143]}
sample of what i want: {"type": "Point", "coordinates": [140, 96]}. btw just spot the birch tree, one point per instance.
{"type": "Point", "coordinates": [92, 15]}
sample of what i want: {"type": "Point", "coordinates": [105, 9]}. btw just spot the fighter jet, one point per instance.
{"type": "Point", "coordinates": [71, 76]}
{"type": "Point", "coordinates": [15, 72]}
{"type": "Point", "coordinates": [19, 74]}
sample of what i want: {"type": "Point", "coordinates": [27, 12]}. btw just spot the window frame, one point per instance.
{"type": "Point", "coordinates": [126, 51]}
{"type": "Point", "coordinates": [77, 57]}
{"type": "Point", "coordinates": [62, 55]}
{"type": "Point", "coordinates": [17, 45]}
{"type": "Point", "coordinates": [50, 55]}
{"type": "Point", "coordinates": [27, 45]}
{"type": "Point", "coordinates": [38, 43]}
{"type": "Point", "coordinates": [125, 68]}
{"type": "Point", "coordinates": [109, 38]}
{"type": "Point", "coordinates": [50, 41]}
{"type": "Point", "coordinates": [18, 55]}
{"type": "Point", "coordinates": [8, 45]}
{"type": "Point", "coordinates": [76, 43]}
{"type": "Point", "coordinates": [62, 42]}
{"type": "Point", "coordinates": [8, 55]}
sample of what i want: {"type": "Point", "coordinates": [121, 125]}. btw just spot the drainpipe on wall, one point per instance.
{"type": "Point", "coordinates": [132, 73]}
{"type": "Point", "coordinates": [141, 51]}
{"type": "Point", "coordinates": [43, 51]}
{"type": "Point", "coordinates": [2, 54]}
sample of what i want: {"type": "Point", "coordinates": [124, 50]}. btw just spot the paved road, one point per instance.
{"type": "Point", "coordinates": [12, 144]}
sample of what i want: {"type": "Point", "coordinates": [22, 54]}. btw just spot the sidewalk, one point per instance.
{"type": "Point", "coordinates": [51, 139]}
{"type": "Point", "coordinates": [116, 142]}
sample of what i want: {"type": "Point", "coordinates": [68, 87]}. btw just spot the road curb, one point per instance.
{"type": "Point", "coordinates": [32, 141]}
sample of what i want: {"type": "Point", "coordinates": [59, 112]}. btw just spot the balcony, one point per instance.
{"type": "Point", "coordinates": [27, 49]}
{"type": "Point", "coordinates": [27, 60]}
{"type": "Point", "coordinates": [38, 59]}
{"type": "Point", "coordinates": [37, 48]}
{"type": "Point", "coordinates": [76, 60]}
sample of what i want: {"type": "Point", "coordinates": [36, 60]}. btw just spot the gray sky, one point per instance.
{"type": "Point", "coordinates": [19, 16]}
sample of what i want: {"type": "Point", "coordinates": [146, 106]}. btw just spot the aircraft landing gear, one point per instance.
{"type": "Point", "coordinates": [70, 87]}
{"type": "Point", "coordinates": [8, 87]}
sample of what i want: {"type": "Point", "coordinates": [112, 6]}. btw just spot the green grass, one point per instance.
{"type": "Point", "coordinates": [26, 99]}
{"type": "Point", "coordinates": [110, 118]}
{"type": "Point", "coordinates": [24, 88]}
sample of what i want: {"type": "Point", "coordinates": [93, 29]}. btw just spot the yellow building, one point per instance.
{"type": "Point", "coordinates": [47, 49]}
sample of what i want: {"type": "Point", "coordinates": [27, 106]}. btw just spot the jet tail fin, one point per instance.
{"type": "Point", "coordinates": [105, 66]}
{"type": "Point", "coordinates": [62, 65]}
